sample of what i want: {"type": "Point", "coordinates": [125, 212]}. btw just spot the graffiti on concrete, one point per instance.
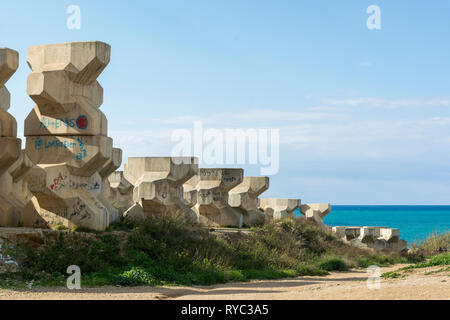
{"type": "Point", "coordinates": [58, 182]}
{"type": "Point", "coordinates": [81, 123]}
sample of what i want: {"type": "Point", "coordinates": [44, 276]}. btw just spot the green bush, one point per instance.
{"type": "Point", "coordinates": [167, 250]}
{"type": "Point", "coordinates": [310, 270]}
{"type": "Point", "coordinates": [437, 260]}
{"type": "Point", "coordinates": [136, 277]}
{"type": "Point", "coordinates": [440, 260]}
{"type": "Point", "coordinates": [334, 264]}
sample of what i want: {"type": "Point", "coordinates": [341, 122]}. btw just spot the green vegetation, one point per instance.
{"type": "Point", "coordinates": [435, 250]}
{"type": "Point", "coordinates": [447, 269]}
{"type": "Point", "coordinates": [333, 264]}
{"type": "Point", "coordinates": [169, 251]}
{"type": "Point", "coordinates": [438, 260]}
{"type": "Point", "coordinates": [392, 275]}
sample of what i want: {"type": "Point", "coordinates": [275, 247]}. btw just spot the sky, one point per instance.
{"type": "Point", "coordinates": [363, 115]}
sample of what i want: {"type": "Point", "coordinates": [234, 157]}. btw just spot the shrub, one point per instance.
{"type": "Point", "coordinates": [136, 277]}
{"type": "Point", "coordinates": [435, 243]}
{"type": "Point", "coordinates": [334, 264]}
{"type": "Point", "coordinates": [167, 250]}
{"type": "Point", "coordinates": [392, 275]}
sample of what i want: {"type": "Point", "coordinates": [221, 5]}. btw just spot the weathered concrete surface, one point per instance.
{"type": "Point", "coordinates": [315, 211]}
{"type": "Point", "coordinates": [378, 238]}
{"type": "Point", "coordinates": [66, 138]}
{"type": "Point", "coordinates": [277, 209]}
{"type": "Point", "coordinates": [189, 195]}
{"type": "Point", "coordinates": [120, 192]}
{"type": "Point", "coordinates": [10, 146]}
{"type": "Point", "coordinates": [105, 172]}
{"type": "Point", "coordinates": [211, 197]}
{"type": "Point", "coordinates": [158, 186]}
{"type": "Point", "coordinates": [20, 194]}
{"type": "Point", "coordinates": [244, 198]}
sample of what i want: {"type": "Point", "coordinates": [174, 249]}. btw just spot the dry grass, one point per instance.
{"type": "Point", "coordinates": [436, 242]}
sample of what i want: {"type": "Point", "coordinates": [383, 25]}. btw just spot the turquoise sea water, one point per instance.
{"type": "Point", "coordinates": [414, 222]}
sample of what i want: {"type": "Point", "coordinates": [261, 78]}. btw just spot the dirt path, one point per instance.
{"type": "Point", "coordinates": [339, 285]}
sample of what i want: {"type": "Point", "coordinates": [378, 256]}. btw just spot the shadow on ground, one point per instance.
{"type": "Point", "coordinates": [254, 287]}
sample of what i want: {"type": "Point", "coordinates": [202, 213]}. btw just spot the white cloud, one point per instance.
{"type": "Point", "coordinates": [252, 117]}
{"type": "Point", "coordinates": [374, 139]}
{"type": "Point", "coordinates": [326, 143]}
{"type": "Point", "coordinates": [318, 135]}
{"type": "Point", "coordinates": [386, 103]}
{"type": "Point", "coordinates": [370, 191]}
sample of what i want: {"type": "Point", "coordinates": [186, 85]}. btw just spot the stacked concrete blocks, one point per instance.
{"type": "Point", "coordinates": [158, 186]}
{"type": "Point", "coordinates": [316, 211]}
{"type": "Point", "coordinates": [10, 146]}
{"type": "Point", "coordinates": [378, 238]}
{"type": "Point", "coordinates": [244, 198]}
{"type": "Point", "coordinates": [211, 197]}
{"type": "Point", "coordinates": [278, 209]}
{"type": "Point", "coordinates": [67, 137]}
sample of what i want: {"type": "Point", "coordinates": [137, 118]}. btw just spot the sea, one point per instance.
{"type": "Point", "coordinates": [414, 222]}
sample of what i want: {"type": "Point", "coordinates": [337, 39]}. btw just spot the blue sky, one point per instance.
{"type": "Point", "coordinates": [364, 115]}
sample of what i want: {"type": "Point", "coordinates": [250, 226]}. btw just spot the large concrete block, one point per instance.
{"type": "Point", "coordinates": [352, 233]}
{"type": "Point", "coordinates": [276, 208]}
{"type": "Point", "coordinates": [81, 120]}
{"type": "Point", "coordinates": [67, 138]}
{"type": "Point", "coordinates": [5, 98]}
{"type": "Point", "coordinates": [20, 194]}
{"type": "Point", "coordinates": [189, 195]}
{"type": "Point", "coordinates": [369, 234]}
{"type": "Point", "coordinates": [377, 238]}
{"type": "Point", "coordinates": [105, 172]}
{"type": "Point", "coordinates": [82, 154]}
{"type": "Point", "coordinates": [244, 198]}
{"type": "Point", "coordinates": [315, 211]}
{"type": "Point", "coordinates": [120, 192]}
{"type": "Point", "coordinates": [9, 152]}
{"type": "Point", "coordinates": [158, 185]}
{"type": "Point", "coordinates": [9, 62]}
{"type": "Point", "coordinates": [391, 235]}
{"type": "Point", "coordinates": [8, 125]}
{"type": "Point", "coordinates": [210, 201]}
{"type": "Point", "coordinates": [10, 146]}
{"type": "Point", "coordinates": [64, 75]}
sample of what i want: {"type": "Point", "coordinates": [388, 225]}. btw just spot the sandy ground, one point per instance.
{"type": "Point", "coordinates": [339, 285]}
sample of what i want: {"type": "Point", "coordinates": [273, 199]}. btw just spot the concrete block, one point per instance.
{"type": "Point", "coordinates": [244, 198]}
{"type": "Point", "coordinates": [377, 238]}
{"type": "Point", "coordinates": [120, 192]}
{"type": "Point", "coordinates": [67, 138]}
{"type": "Point", "coordinates": [276, 208]}
{"type": "Point", "coordinates": [158, 185]}
{"type": "Point", "coordinates": [210, 201]}
{"type": "Point", "coordinates": [316, 211]}
{"type": "Point", "coordinates": [10, 146]}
